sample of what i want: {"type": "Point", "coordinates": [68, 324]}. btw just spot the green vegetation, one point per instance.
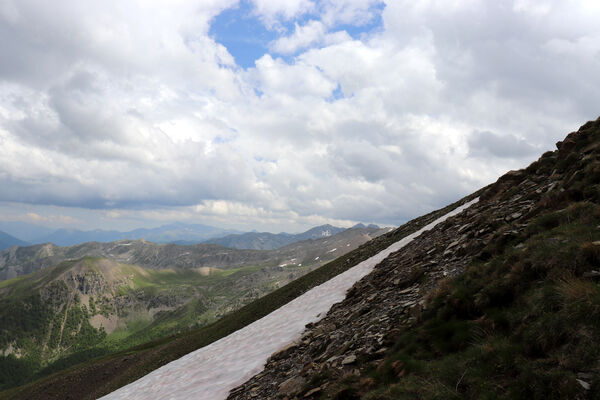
{"type": "Point", "coordinates": [31, 325]}
{"type": "Point", "coordinates": [520, 324]}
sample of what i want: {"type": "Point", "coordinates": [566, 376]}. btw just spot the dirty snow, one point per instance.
{"type": "Point", "coordinates": [212, 371]}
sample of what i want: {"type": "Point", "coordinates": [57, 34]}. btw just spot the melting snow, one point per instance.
{"type": "Point", "coordinates": [212, 371]}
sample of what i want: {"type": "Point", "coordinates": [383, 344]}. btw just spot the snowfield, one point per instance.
{"type": "Point", "coordinates": [211, 372]}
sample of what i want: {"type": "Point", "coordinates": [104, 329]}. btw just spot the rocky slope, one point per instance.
{"type": "Point", "coordinates": [412, 311]}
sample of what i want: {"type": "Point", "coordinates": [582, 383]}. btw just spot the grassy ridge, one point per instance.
{"type": "Point", "coordinates": [101, 376]}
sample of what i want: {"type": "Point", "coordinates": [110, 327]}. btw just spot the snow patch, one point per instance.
{"type": "Point", "coordinates": [212, 371]}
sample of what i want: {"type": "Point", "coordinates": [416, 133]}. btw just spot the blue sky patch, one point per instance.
{"type": "Point", "coordinates": [336, 94]}
{"type": "Point", "coordinates": [247, 39]}
{"type": "Point", "coordinates": [242, 33]}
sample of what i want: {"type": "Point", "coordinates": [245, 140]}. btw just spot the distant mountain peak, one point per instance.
{"type": "Point", "coordinates": [7, 241]}
{"type": "Point", "coordinates": [360, 225]}
{"type": "Point", "coordinates": [270, 241]}
{"type": "Point", "coordinates": [175, 232]}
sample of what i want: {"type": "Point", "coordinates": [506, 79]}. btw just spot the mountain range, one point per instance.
{"type": "Point", "coordinates": [177, 233]}
{"type": "Point", "coordinates": [65, 304]}
{"type": "Point", "coordinates": [189, 233]}
{"type": "Point", "coordinates": [270, 241]}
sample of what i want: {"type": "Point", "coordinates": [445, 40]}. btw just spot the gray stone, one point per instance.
{"type": "Point", "coordinates": [584, 384]}
{"type": "Point", "coordinates": [312, 391]}
{"type": "Point", "coordinates": [349, 360]}
{"type": "Point", "coordinates": [292, 385]}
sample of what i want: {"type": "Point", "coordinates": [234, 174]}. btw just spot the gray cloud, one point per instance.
{"type": "Point", "coordinates": [484, 143]}
{"type": "Point", "coordinates": [135, 111]}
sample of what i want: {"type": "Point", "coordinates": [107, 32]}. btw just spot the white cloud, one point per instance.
{"type": "Point", "coordinates": [272, 13]}
{"type": "Point", "coordinates": [134, 110]}
{"type": "Point", "coordinates": [349, 12]}
{"type": "Point", "coordinates": [310, 34]}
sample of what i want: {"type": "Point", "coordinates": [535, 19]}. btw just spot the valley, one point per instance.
{"type": "Point", "coordinates": [98, 298]}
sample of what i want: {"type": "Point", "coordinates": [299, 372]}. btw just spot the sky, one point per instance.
{"type": "Point", "coordinates": [280, 115]}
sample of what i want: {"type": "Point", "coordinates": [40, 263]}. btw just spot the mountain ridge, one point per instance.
{"type": "Point", "coordinates": [162, 234]}
{"type": "Point", "coordinates": [271, 241]}
{"type": "Point", "coordinates": [98, 298]}
{"type": "Point", "coordinates": [23, 260]}
{"type": "Point", "coordinates": [7, 240]}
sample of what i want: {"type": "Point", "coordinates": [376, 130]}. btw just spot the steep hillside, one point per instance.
{"type": "Point", "coordinates": [91, 305]}
{"type": "Point", "coordinates": [270, 241]}
{"type": "Point", "coordinates": [7, 241]}
{"type": "Point", "coordinates": [501, 302]}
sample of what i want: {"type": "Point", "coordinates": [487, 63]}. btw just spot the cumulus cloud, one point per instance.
{"type": "Point", "coordinates": [485, 144]}
{"type": "Point", "coordinates": [133, 110]}
{"type": "Point", "coordinates": [272, 13]}
{"type": "Point", "coordinates": [350, 12]}
{"type": "Point", "coordinates": [310, 34]}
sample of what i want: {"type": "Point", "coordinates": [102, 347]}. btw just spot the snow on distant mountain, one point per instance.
{"type": "Point", "coordinates": [270, 241]}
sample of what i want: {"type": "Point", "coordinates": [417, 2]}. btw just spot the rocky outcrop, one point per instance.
{"type": "Point", "coordinates": [357, 333]}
